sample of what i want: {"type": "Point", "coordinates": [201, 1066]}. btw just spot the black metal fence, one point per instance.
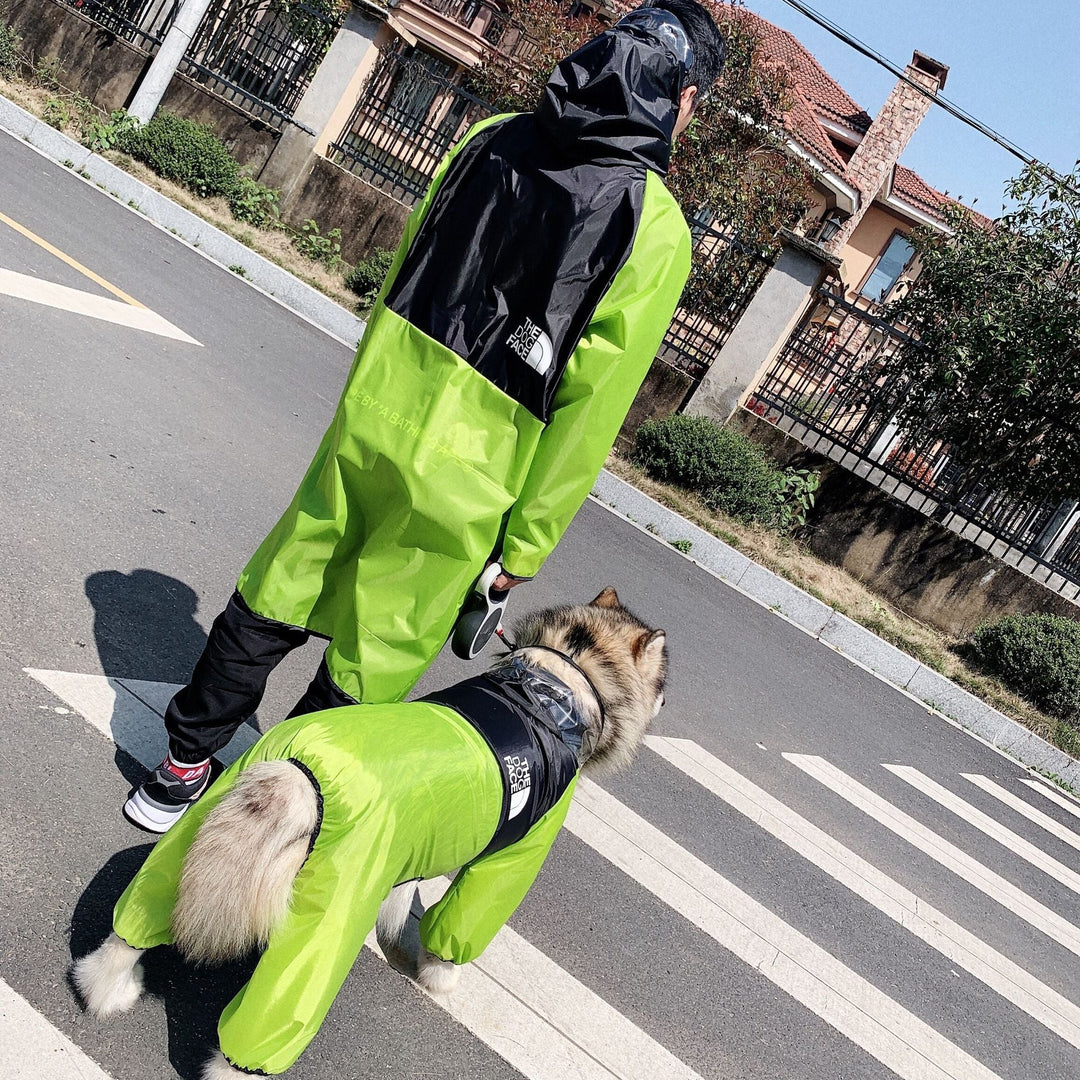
{"type": "Point", "coordinates": [142, 22]}
{"type": "Point", "coordinates": [835, 386]}
{"type": "Point", "coordinates": [725, 278]}
{"type": "Point", "coordinates": [262, 54]}
{"type": "Point", "coordinates": [258, 54]}
{"type": "Point", "coordinates": [411, 111]}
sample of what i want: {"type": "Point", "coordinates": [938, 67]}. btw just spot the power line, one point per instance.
{"type": "Point", "coordinates": [938, 99]}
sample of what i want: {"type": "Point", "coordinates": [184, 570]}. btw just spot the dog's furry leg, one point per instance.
{"type": "Point", "coordinates": [238, 875]}
{"type": "Point", "coordinates": [390, 927]}
{"type": "Point", "coordinates": [435, 975]}
{"type": "Point", "coordinates": [109, 979]}
{"type": "Point", "coordinates": [218, 1068]}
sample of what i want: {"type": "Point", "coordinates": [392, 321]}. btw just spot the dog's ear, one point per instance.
{"type": "Point", "coordinates": [651, 645]}
{"type": "Point", "coordinates": [609, 598]}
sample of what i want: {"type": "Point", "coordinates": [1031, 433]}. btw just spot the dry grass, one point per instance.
{"type": "Point", "coordinates": [40, 93]}
{"type": "Point", "coordinates": [846, 594]}
{"type": "Point", "coordinates": [273, 244]}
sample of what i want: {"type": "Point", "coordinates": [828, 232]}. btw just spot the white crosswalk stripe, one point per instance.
{"type": "Point", "coordinates": [894, 1036]}
{"type": "Point", "coordinates": [988, 826]}
{"type": "Point", "coordinates": [1054, 796]}
{"type": "Point", "coordinates": [912, 912]}
{"type": "Point", "coordinates": [1044, 821]}
{"type": "Point", "coordinates": [943, 852]}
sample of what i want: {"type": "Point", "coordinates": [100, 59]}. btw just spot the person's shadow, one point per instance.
{"type": "Point", "coordinates": [144, 629]}
{"type": "Point", "coordinates": [144, 625]}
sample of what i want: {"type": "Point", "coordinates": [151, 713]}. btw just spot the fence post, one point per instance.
{"type": "Point", "coordinates": [341, 70]}
{"type": "Point", "coordinates": [156, 81]}
{"type": "Point", "coordinates": [768, 320]}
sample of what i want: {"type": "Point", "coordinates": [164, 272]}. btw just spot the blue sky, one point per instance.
{"type": "Point", "coordinates": [1013, 66]}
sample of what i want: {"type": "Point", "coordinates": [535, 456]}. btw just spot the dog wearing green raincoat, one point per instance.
{"type": "Point", "coordinates": [298, 844]}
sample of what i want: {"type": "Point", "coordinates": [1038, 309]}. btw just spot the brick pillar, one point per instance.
{"type": "Point", "coordinates": [872, 163]}
{"type": "Point", "coordinates": [763, 330]}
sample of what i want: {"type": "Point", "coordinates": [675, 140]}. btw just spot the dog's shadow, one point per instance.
{"type": "Point", "coordinates": [194, 997]}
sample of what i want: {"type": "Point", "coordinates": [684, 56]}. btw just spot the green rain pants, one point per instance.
{"type": "Point", "coordinates": [409, 791]}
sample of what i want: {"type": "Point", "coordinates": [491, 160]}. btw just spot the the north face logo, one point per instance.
{"type": "Point", "coordinates": [533, 346]}
{"type": "Point", "coordinates": [517, 771]}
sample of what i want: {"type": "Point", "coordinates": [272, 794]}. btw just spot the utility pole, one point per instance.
{"type": "Point", "coordinates": [157, 78]}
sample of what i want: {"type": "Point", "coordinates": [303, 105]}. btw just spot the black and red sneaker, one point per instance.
{"type": "Point", "coordinates": [163, 797]}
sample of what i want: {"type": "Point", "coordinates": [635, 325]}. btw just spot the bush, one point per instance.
{"type": "Point", "coordinates": [798, 493]}
{"type": "Point", "coordinates": [319, 247]}
{"type": "Point", "coordinates": [728, 470]}
{"type": "Point", "coordinates": [9, 51]}
{"type": "Point", "coordinates": [367, 276]}
{"type": "Point", "coordinates": [684, 450]}
{"type": "Point", "coordinates": [255, 204]}
{"type": "Point", "coordinates": [1035, 656]}
{"type": "Point", "coordinates": [110, 134]}
{"type": "Point", "coordinates": [56, 113]}
{"type": "Point", "coordinates": [747, 486]}
{"type": "Point", "coordinates": [185, 151]}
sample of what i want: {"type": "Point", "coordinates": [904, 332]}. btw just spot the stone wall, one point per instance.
{"type": "Point", "coordinates": [663, 392]}
{"type": "Point", "coordinates": [368, 219]}
{"type": "Point", "coordinates": [106, 69]}
{"type": "Point", "coordinates": [95, 62]}
{"type": "Point", "coordinates": [920, 566]}
{"type": "Point", "coordinates": [249, 140]}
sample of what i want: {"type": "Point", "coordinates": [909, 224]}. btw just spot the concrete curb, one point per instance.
{"type": "Point", "coordinates": [942, 696]}
{"type": "Point", "coordinates": [219, 247]}
{"type": "Point", "coordinates": [838, 632]}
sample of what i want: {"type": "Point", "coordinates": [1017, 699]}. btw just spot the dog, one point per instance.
{"type": "Point", "coordinates": [333, 815]}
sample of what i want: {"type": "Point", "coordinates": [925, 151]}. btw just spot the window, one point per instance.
{"type": "Point", "coordinates": [890, 266]}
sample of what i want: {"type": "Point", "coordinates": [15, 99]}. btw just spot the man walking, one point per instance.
{"type": "Point", "coordinates": [529, 295]}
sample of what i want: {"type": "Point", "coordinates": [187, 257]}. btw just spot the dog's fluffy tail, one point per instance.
{"type": "Point", "coordinates": [238, 875]}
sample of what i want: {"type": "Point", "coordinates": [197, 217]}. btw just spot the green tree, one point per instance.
{"type": "Point", "coordinates": [995, 369]}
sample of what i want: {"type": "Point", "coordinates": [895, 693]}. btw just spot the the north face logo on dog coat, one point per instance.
{"type": "Point", "coordinates": [532, 724]}
{"type": "Point", "coordinates": [517, 770]}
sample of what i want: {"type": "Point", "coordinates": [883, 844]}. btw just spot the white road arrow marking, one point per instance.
{"type": "Point", "coordinates": [26, 287]}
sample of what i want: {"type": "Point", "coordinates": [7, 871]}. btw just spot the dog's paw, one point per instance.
{"type": "Point", "coordinates": [109, 979]}
{"type": "Point", "coordinates": [435, 975]}
{"type": "Point", "coordinates": [218, 1068]}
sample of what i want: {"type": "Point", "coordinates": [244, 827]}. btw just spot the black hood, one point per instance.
{"type": "Point", "coordinates": [615, 100]}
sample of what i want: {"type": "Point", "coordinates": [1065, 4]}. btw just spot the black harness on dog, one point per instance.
{"type": "Point", "coordinates": [537, 732]}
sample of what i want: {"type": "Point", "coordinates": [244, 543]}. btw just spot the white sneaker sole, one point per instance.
{"type": "Point", "coordinates": [144, 813]}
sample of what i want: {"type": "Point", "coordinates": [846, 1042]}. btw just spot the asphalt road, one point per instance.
{"type": "Point", "coordinates": [139, 471]}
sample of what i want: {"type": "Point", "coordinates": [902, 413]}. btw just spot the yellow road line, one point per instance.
{"type": "Point", "coordinates": [74, 264]}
